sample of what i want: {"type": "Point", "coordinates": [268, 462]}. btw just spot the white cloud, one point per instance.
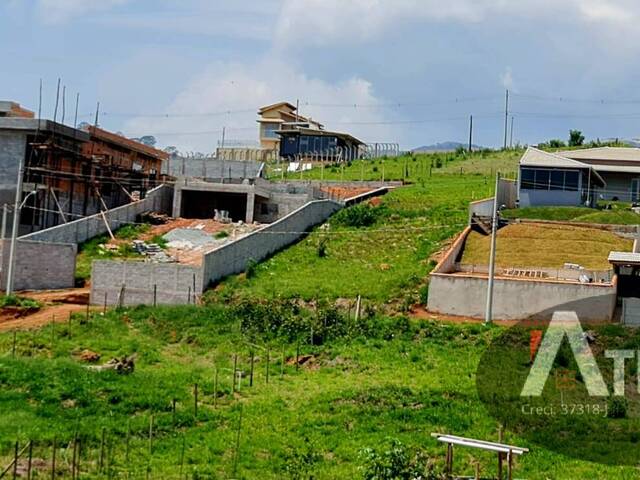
{"type": "Point", "coordinates": [245, 88]}
{"type": "Point", "coordinates": [55, 11]}
{"type": "Point", "coordinates": [320, 22]}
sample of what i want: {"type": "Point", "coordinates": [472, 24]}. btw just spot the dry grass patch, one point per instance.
{"type": "Point", "coordinates": [530, 246]}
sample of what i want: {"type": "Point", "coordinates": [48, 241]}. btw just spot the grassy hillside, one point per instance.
{"type": "Point", "coordinates": [389, 258]}
{"type": "Point", "coordinates": [616, 216]}
{"type": "Point", "coordinates": [413, 167]}
{"type": "Point", "coordinates": [528, 246]}
{"type": "Point", "coordinates": [361, 385]}
{"type": "Point", "coordinates": [357, 385]}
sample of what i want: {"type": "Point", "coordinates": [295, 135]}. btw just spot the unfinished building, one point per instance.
{"type": "Point", "coordinates": [69, 173]}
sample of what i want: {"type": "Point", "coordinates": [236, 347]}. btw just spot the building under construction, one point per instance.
{"type": "Point", "coordinates": [69, 173]}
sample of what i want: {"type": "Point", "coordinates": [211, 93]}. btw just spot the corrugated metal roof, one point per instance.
{"type": "Point", "coordinates": [538, 158]}
{"type": "Point", "coordinates": [627, 154]}
{"type": "Point", "coordinates": [624, 258]}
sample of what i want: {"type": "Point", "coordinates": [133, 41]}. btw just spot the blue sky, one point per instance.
{"type": "Point", "coordinates": [410, 71]}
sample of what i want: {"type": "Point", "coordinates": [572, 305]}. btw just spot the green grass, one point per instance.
{"type": "Point", "coordinates": [386, 260]}
{"type": "Point", "coordinates": [531, 246]}
{"type": "Point", "coordinates": [90, 250]}
{"type": "Point", "coordinates": [616, 216]}
{"type": "Point", "coordinates": [413, 167]}
{"type": "Point", "coordinates": [384, 377]}
{"type": "Point", "coordinates": [401, 380]}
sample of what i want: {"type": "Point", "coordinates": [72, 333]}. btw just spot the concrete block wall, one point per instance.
{"type": "Point", "coordinates": [232, 258]}
{"type": "Point", "coordinates": [39, 266]}
{"type": "Point", "coordinates": [520, 299]}
{"type": "Point", "coordinates": [136, 283]}
{"type": "Point", "coordinates": [159, 199]}
{"type": "Point", "coordinates": [465, 295]}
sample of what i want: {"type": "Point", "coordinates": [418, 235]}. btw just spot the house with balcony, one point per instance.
{"type": "Point", "coordinates": [279, 116]}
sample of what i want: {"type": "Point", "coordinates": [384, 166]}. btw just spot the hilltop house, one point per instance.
{"type": "Point", "coordinates": [579, 177]}
{"type": "Point", "coordinates": [281, 116]}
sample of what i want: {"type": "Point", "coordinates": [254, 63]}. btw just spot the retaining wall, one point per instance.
{"type": "Point", "coordinates": [39, 266]}
{"type": "Point", "coordinates": [465, 294]}
{"type": "Point", "coordinates": [520, 299]}
{"type": "Point", "coordinates": [141, 283]}
{"type": "Point", "coordinates": [160, 199]}
{"type": "Point", "coordinates": [176, 284]}
{"type": "Point", "coordinates": [233, 257]}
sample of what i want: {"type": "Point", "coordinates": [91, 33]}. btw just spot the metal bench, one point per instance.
{"type": "Point", "coordinates": [503, 451]}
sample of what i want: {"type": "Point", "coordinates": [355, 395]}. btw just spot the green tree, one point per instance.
{"type": "Point", "coordinates": [576, 138]}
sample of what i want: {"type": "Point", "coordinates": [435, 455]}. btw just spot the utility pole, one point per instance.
{"type": "Point", "coordinates": [511, 139]}
{"type": "Point", "coordinates": [16, 226]}
{"type": "Point", "coordinates": [506, 119]}
{"type": "Point", "coordinates": [224, 131]}
{"type": "Point", "coordinates": [470, 133]}
{"type": "Point", "coordinates": [488, 317]}
{"type": "Point", "coordinates": [297, 110]}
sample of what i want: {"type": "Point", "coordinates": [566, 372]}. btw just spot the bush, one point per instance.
{"type": "Point", "coordinates": [221, 235]}
{"type": "Point", "coordinates": [252, 266]}
{"type": "Point", "coordinates": [322, 247]}
{"type": "Point", "coordinates": [361, 215]}
{"type": "Point", "coordinates": [397, 462]}
{"type": "Point", "coordinates": [300, 461]}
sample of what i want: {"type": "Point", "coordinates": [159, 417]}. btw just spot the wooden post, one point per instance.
{"type": "Point", "coordinates": [195, 401]}
{"type": "Point", "coordinates": [251, 370]}
{"type": "Point", "coordinates": [127, 440]}
{"type": "Point", "coordinates": [237, 452]}
{"type": "Point", "coordinates": [150, 437]}
{"type": "Point", "coordinates": [510, 466]}
{"type": "Point", "coordinates": [87, 314]}
{"type": "Point", "coordinates": [189, 296]}
{"type": "Point", "coordinates": [101, 459]}
{"type": "Point", "coordinates": [449, 460]}
{"type": "Point", "coordinates": [30, 460]}
{"type": "Point", "coordinates": [233, 376]}
{"type": "Point", "coordinates": [155, 295]}
{"type": "Point", "coordinates": [184, 444]}
{"type": "Point", "coordinates": [53, 459]}
{"type": "Point", "coordinates": [173, 411]}
{"type": "Point", "coordinates": [215, 389]}
{"type": "Point", "coordinates": [477, 474]}
{"type": "Point", "coordinates": [297, 355]}
{"type": "Point", "coordinates": [500, 466]}
{"type": "Point", "coordinates": [73, 457]}
{"type": "Point", "coordinates": [268, 362]}
{"type": "Point", "coordinates": [104, 309]}
{"type": "Point", "coordinates": [15, 461]}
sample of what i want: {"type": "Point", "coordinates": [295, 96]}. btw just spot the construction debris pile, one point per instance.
{"type": "Point", "coordinates": [152, 251]}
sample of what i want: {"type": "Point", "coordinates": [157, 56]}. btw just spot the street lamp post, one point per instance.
{"type": "Point", "coordinates": [488, 318]}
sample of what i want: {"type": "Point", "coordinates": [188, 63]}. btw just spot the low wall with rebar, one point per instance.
{"type": "Point", "coordinates": [160, 199]}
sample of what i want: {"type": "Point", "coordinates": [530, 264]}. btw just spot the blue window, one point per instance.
{"type": "Point", "coordinates": [269, 130]}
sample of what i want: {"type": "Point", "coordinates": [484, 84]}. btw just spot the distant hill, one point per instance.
{"type": "Point", "coordinates": [443, 147]}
